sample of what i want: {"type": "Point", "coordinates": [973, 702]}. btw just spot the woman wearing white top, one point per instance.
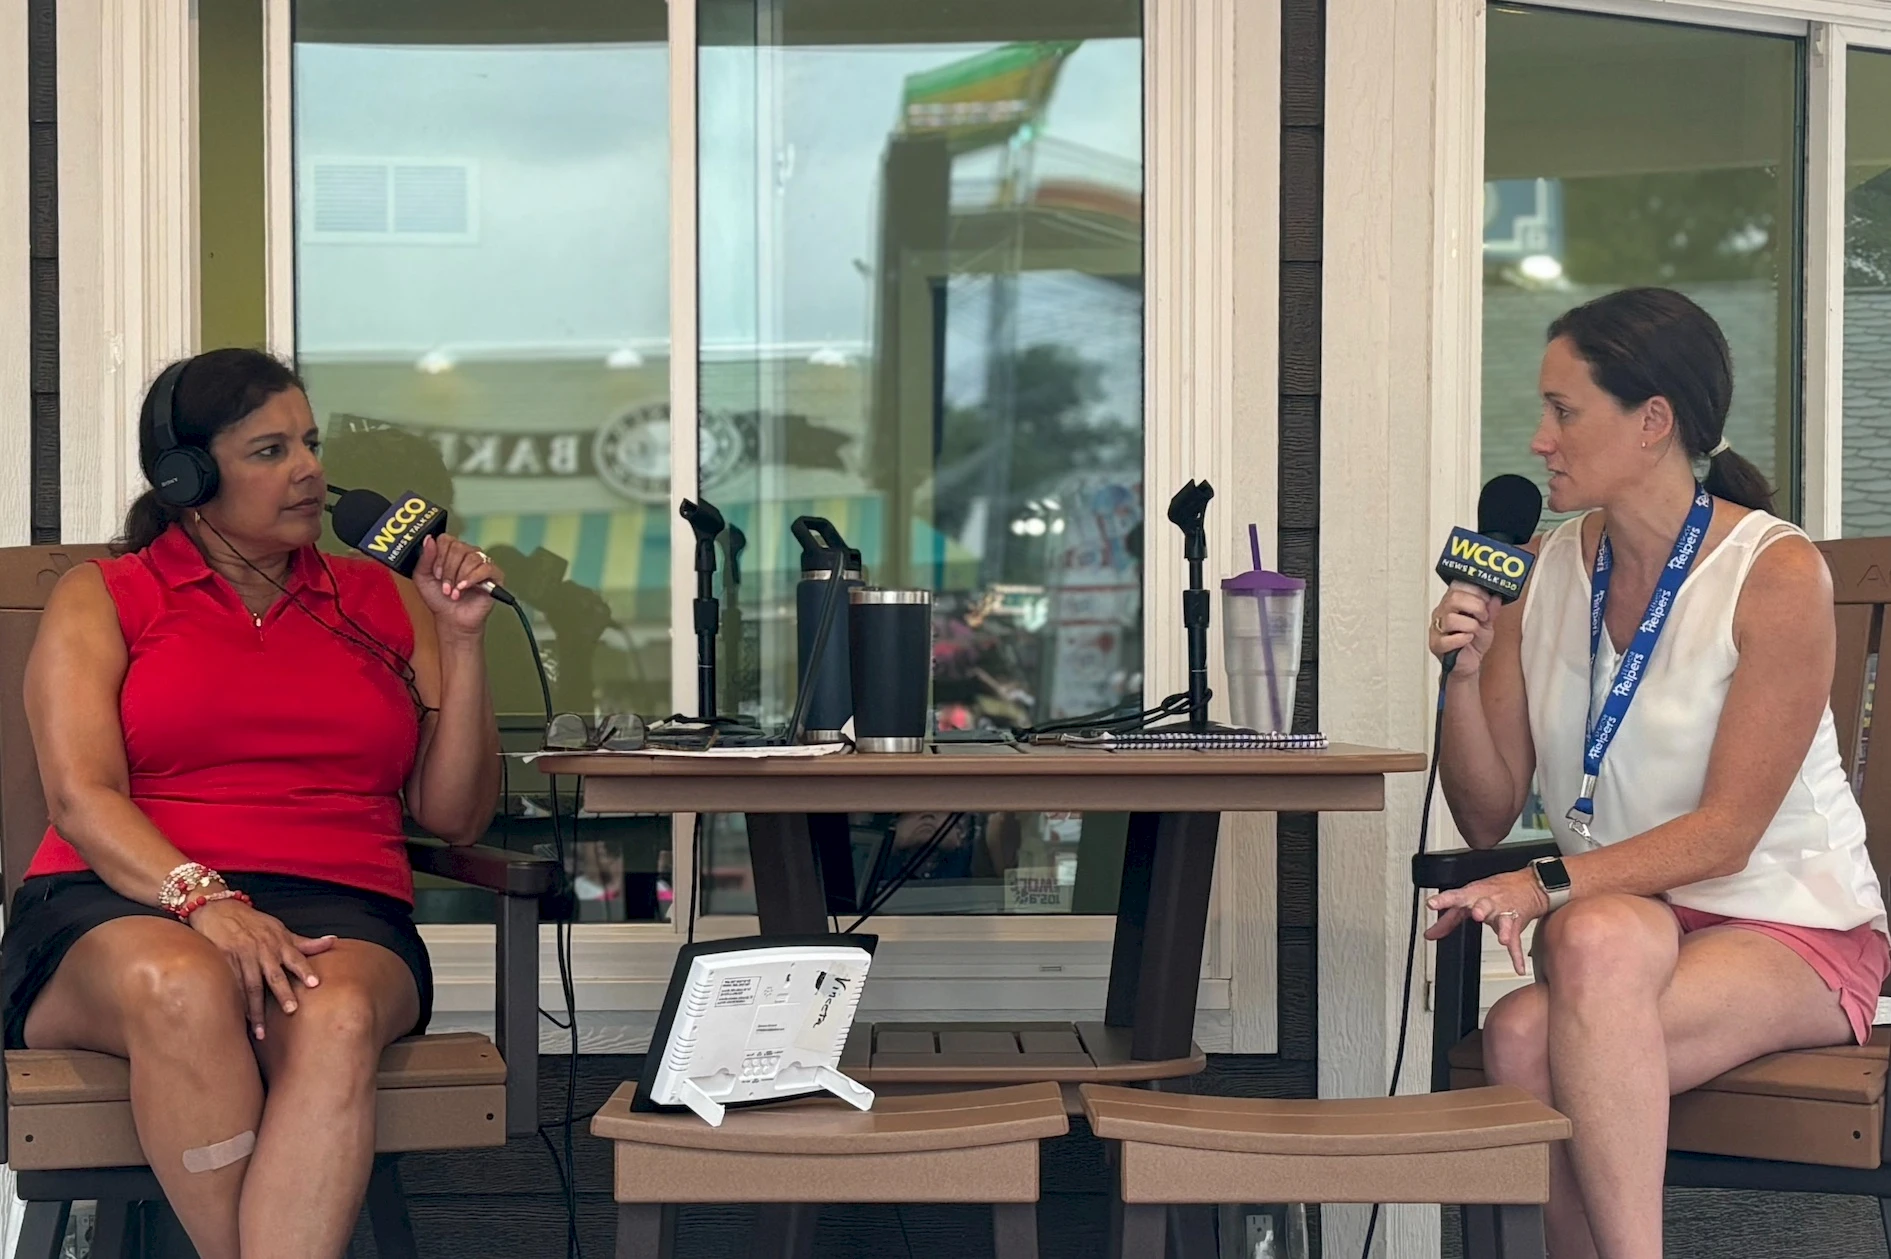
{"type": "Point", "coordinates": [1715, 902]}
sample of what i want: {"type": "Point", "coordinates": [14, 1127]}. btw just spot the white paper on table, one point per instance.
{"type": "Point", "coordinates": [799, 751]}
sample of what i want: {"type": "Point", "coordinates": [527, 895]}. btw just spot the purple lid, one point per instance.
{"type": "Point", "coordinates": [1259, 581]}
{"type": "Point", "coordinates": [1262, 582]}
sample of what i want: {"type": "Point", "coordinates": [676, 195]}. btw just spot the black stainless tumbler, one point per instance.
{"type": "Point", "coordinates": [890, 645]}
{"type": "Point", "coordinates": [825, 557]}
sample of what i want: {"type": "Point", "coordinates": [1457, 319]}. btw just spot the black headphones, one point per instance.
{"type": "Point", "coordinates": [184, 476]}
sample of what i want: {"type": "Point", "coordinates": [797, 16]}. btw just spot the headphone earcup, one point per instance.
{"type": "Point", "coordinates": [186, 477]}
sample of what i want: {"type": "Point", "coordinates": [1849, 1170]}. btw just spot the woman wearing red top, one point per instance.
{"type": "Point", "coordinates": [228, 723]}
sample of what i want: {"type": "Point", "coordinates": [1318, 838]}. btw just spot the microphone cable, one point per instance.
{"type": "Point", "coordinates": [1411, 930]}
{"type": "Point", "coordinates": [879, 899]}
{"type": "Point", "coordinates": [561, 929]}
{"type": "Point", "coordinates": [361, 638]}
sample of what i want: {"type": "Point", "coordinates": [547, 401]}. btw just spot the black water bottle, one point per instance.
{"type": "Point", "coordinates": [825, 559]}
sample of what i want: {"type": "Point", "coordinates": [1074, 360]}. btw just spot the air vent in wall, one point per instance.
{"type": "Point", "coordinates": [363, 201]}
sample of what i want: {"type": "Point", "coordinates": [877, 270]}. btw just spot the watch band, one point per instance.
{"type": "Point", "coordinates": [1553, 879]}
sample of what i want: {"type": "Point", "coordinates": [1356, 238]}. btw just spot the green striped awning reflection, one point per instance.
{"type": "Point", "coordinates": [629, 550]}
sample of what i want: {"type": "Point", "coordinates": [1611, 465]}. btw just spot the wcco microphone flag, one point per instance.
{"type": "Point", "coordinates": [1486, 564]}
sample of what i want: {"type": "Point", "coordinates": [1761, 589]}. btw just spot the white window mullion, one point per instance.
{"type": "Point", "coordinates": [127, 239]}
{"type": "Point", "coordinates": [279, 178]}
{"type": "Point", "coordinates": [1208, 413]}
{"type": "Point", "coordinates": [1783, 17]}
{"type": "Point", "coordinates": [685, 335]}
{"type": "Point", "coordinates": [16, 399]}
{"type": "Point", "coordinates": [1824, 433]}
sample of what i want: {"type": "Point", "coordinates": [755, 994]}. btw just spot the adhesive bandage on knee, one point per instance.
{"type": "Point", "coordinates": [208, 1158]}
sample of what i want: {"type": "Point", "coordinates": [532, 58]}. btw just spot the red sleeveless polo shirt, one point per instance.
{"type": "Point", "coordinates": [267, 747]}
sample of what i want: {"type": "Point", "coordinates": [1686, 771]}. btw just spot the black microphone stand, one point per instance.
{"type": "Point", "coordinates": [1188, 511]}
{"type": "Point", "coordinates": [733, 543]}
{"type": "Point", "coordinates": [707, 523]}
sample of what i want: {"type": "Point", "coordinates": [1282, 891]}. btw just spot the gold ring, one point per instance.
{"type": "Point", "coordinates": [483, 557]}
{"type": "Point", "coordinates": [1437, 625]}
{"type": "Point", "coordinates": [1506, 913]}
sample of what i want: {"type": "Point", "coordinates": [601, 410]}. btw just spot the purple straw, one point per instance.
{"type": "Point", "coordinates": [1267, 648]}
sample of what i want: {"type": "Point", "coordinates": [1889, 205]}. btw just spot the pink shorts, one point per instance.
{"type": "Point", "coordinates": [1852, 963]}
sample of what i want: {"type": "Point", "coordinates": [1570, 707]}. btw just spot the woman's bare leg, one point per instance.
{"type": "Point", "coordinates": [1517, 1051]}
{"type": "Point", "coordinates": [316, 1145]}
{"type": "Point", "coordinates": [160, 995]}
{"type": "Point", "coordinates": [1636, 1014]}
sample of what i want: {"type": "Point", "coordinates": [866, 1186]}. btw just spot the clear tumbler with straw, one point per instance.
{"type": "Point", "coordinates": [1261, 618]}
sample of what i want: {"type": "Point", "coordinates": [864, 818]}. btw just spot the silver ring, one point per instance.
{"type": "Point", "coordinates": [1506, 913]}
{"type": "Point", "coordinates": [1437, 626]}
{"type": "Point", "coordinates": [483, 557]}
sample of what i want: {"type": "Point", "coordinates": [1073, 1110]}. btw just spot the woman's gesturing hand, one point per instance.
{"type": "Point", "coordinates": [1506, 903]}
{"type": "Point", "coordinates": [261, 952]}
{"type": "Point", "coordinates": [1464, 622]}
{"type": "Point", "coordinates": [449, 578]}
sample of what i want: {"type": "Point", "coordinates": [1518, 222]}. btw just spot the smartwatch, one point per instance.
{"type": "Point", "coordinates": [1553, 878]}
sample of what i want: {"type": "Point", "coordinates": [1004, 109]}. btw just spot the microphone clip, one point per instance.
{"type": "Point", "coordinates": [1188, 511]}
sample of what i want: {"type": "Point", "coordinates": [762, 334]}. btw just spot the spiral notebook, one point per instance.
{"type": "Point", "coordinates": [1190, 740]}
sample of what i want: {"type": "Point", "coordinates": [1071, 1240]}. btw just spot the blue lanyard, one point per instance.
{"type": "Point", "coordinates": [1600, 733]}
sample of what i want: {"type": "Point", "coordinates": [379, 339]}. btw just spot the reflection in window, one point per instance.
{"type": "Point", "coordinates": [922, 311]}
{"type": "Point", "coordinates": [1622, 152]}
{"type": "Point", "coordinates": [482, 317]}
{"type": "Point", "coordinates": [1867, 387]}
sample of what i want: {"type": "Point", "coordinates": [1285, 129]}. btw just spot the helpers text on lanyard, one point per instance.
{"type": "Point", "coordinates": [1628, 675]}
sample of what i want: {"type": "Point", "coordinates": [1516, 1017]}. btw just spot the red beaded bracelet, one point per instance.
{"type": "Point", "coordinates": [196, 903]}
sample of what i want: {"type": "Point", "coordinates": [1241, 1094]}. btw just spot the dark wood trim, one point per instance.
{"type": "Point", "coordinates": [1302, 148]}
{"type": "Point", "coordinates": [42, 90]}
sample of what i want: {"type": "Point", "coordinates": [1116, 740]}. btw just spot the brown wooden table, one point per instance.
{"type": "Point", "coordinates": [1174, 799]}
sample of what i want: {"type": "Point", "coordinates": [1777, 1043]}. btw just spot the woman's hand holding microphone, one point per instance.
{"type": "Point", "coordinates": [1464, 621]}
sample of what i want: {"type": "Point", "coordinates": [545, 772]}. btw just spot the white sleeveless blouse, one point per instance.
{"type": "Point", "coordinates": [1810, 868]}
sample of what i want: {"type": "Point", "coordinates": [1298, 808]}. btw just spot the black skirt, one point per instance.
{"type": "Point", "coordinates": [51, 912]}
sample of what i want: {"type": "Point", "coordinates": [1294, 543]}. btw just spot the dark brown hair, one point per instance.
{"type": "Point", "coordinates": [216, 389]}
{"type": "Point", "coordinates": [1649, 342]}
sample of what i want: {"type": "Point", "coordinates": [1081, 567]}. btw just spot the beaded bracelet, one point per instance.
{"type": "Point", "coordinates": [196, 903]}
{"type": "Point", "coordinates": [178, 884]}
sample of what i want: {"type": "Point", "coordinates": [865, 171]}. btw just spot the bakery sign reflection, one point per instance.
{"type": "Point", "coordinates": [630, 453]}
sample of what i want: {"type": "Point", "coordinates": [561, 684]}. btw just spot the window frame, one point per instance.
{"type": "Point", "coordinates": [1822, 435]}
{"type": "Point", "coordinates": [1207, 289]}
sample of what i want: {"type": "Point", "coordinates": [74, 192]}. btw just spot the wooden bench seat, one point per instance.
{"type": "Point", "coordinates": [1821, 1106]}
{"type": "Point", "coordinates": [988, 1054]}
{"type": "Point", "coordinates": [1489, 1147]}
{"type": "Point", "coordinates": [970, 1147]}
{"type": "Point", "coordinates": [70, 1109]}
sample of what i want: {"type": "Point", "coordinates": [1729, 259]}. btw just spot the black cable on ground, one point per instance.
{"type": "Point", "coordinates": [1411, 930]}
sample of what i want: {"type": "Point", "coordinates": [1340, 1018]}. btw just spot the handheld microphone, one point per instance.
{"type": "Point", "coordinates": [1493, 559]}
{"type": "Point", "coordinates": [393, 534]}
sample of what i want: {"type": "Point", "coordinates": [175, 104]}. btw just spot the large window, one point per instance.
{"type": "Point", "coordinates": [482, 315]}
{"type": "Point", "coordinates": [922, 318]}
{"type": "Point", "coordinates": [1867, 380]}
{"type": "Point", "coordinates": [1621, 152]}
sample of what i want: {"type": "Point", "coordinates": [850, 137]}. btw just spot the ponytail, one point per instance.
{"type": "Point", "coordinates": [145, 523]}
{"type": "Point", "coordinates": [1733, 477]}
